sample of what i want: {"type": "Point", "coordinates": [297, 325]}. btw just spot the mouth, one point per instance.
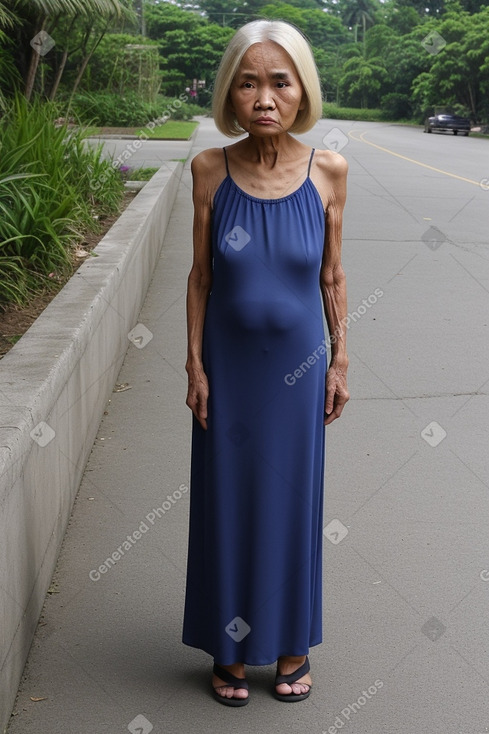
{"type": "Point", "coordinates": [265, 120]}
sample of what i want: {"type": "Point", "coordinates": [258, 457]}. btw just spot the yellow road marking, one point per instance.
{"type": "Point", "coordinates": [361, 139]}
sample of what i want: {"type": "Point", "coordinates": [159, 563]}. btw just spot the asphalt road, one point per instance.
{"type": "Point", "coordinates": [406, 547]}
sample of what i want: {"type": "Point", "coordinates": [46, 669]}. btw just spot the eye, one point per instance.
{"type": "Point", "coordinates": [282, 85]}
{"type": "Point", "coordinates": [248, 85]}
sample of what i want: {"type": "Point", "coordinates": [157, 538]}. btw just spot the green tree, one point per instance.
{"type": "Point", "coordinates": [237, 12]}
{"type": "Point", "coordinates": [431, 8]}
{"type": "Point", "coordinates": [36, 18]}
{"type": "Point", "coordinates": [160, 19]}
{"type": "Point", "coordinates": [125, 63]}
{"type": "Point", "coordinates": [405, 58]}
{"type": "Point", "coordinates": [424, 95]}
{"type": "Point", "coordinates": [459, 72]}
{"type": "Point", "coordinates": [362, 81]}
{"type": "Point", "coordinates": [323, 30]}
{"type": "Point", "coordinates": [356, 13]}
{"type": "Point", "coordinates": [399, 18]}
{"type": "Point", "coordinates": [194, 54]}
{"type": "Point", "coordinates": [286, 12]}
{"type": "Point", "coordinates": [231, 13]}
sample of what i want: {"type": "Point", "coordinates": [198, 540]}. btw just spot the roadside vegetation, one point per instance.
{"type": "Point", "coordinates": [170, 130]}
{"type": "Point", "coordinates": [53, 190]}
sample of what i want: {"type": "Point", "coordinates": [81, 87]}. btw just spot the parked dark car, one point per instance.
{"type": "Point", "coordinates": [449, 122]}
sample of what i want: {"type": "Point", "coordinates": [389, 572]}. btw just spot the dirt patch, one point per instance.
{"type": "Point", "coordinates": [15, 320]}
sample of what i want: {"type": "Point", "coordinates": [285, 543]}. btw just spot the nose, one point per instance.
{"type": "Point", "coordinates": [264, 99]}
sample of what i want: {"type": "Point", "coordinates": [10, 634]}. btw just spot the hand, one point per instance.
{"type": "Point", "coordinates": [337, 394]}
{"type": "Point", "coordinates": [197, 395]}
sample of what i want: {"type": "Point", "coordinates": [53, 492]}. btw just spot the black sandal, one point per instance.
{"type": "Point", "coordinates": [293, 678]}
{"type": "Point", "coordinates": [230, 680]}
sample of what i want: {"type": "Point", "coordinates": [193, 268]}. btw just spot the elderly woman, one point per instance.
{"type": "Point", "coordinates": [267, 265]}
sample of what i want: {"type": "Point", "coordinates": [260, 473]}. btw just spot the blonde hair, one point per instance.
{"type": "Point", "coordinates": [295, 44]}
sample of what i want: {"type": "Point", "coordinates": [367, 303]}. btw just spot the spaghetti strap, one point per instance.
{"type": "Point", "coordinates": [310, 162]}
{"type": "Point", "coordinates": [226, 159]}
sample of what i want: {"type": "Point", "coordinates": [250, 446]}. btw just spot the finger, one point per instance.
{"type": "Point", "coordinates": [203, 423]}
{"type": "Point", "coordinates": [330, 396]}
{"type": "Point", "coordinates": [201, 413]}
{"type": "Point", "coordinates": [330, 418]}
{"type": "Point", "coordinates": [201, 418]}
{"type": "Point", "coordinates": [339, 403]}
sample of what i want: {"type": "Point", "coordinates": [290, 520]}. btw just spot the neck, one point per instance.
{"type": "Point", "coordinates": [270, 149]}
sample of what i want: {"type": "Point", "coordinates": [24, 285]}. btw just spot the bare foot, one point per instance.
{"type": "Point", "coordinates": [286, 665]}
{"type": "Point", "coordinates": [227, 691]}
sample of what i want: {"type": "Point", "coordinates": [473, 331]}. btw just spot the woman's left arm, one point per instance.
{"type": "Point", "coordinates": [333, 287]}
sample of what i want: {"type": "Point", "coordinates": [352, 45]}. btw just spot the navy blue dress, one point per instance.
{"type": "Point", "coordinates": [256, 494]}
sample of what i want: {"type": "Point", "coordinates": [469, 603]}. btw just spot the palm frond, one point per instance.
{"type": "Point", "coordinates": [7, 18]}
{"type": "Point", "coordinates": [103, 8]}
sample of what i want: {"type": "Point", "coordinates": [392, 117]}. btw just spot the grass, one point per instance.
{"type": "Point", "coordinates": [91, 131]}
{"type": "Point", "coordinates": [141, 174]}
{"type": "Point", "coordinates": [13, 339]}
{"type": "Point", "coordinates": [171, 130]}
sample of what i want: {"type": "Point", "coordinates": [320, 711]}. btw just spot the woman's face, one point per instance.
{"type": "Point", "coordinates": [266, 93]}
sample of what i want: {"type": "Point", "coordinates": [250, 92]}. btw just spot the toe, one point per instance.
{"type": "Point", "coordinates": [230, 691]}
{"type": "Point", "coordinates": [284, 689]}
{"type": "Point", "coordinates": [299, 688]}
{"type": "Point", "coordinates": [221, 691]}
{"type": "Point", "coordinates": [240, 693]}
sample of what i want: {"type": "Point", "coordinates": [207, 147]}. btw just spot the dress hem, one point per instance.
{"type": "Point", "coordinates": [248, 661]}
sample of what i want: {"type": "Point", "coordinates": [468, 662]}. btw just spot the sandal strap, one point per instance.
{"type": "Point", "coordinates": [229, 678]}
{"type": "Point", "coordinates": [293, 677]}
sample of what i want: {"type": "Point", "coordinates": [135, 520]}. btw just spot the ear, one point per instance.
{"type": "Point", "coordinates": [303, 102]}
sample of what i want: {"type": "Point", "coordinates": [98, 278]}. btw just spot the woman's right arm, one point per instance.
{"type": "Point", "coordinates": [199, 287]}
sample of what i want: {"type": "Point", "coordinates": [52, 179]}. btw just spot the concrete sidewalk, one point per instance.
{"type": "Point", "coordinates": [146, 153]}
{"type": "Point", "coordinates": [405, 604]}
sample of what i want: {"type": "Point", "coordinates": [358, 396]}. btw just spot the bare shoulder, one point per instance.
{"type": "Point", "coordinates": [208, 170]}
{"type": "Point", "coordinates": [331, 164]}
{"type": "Point", "coordinates": [207, 161]}
{"type": "Point", "coordinates": [330, 179]}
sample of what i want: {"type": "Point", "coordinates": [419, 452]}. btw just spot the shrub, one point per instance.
{"type": "Point", "coordinates": [50, 184]}
{"type": "Point", "coordinates": [180, 109]}
{"type": "Point", "coordinates": [124, 63]}
{"type": "Point", "coordinates": [333, 112]}
{"type": "Point", "coordinates": [396, 106]}
{"type": "Point", "coordinates": [114, 110]}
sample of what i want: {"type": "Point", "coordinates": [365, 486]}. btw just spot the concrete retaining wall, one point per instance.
{"type": "Point", "coordinates": [54, 385]}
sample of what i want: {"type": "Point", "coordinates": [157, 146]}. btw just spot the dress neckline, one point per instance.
{"type": "Point", "coordinates": [266, 200]}
{"type": "Point", "coordinates": [259, 200]}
